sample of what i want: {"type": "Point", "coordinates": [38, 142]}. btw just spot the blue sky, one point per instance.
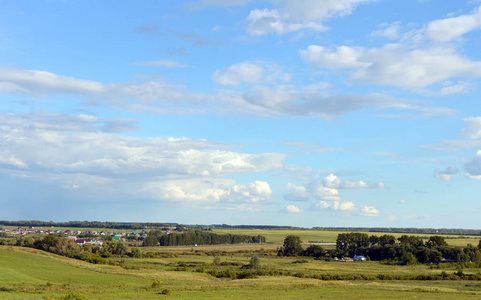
{"type": "Point", "coordinates": [281, 112]}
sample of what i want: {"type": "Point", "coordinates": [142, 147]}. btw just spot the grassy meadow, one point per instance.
{"type": "Point", "coordinates": [186, 273]}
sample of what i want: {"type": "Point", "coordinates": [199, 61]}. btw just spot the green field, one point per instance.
{"type": "Point", "coordinates": [276, 236]}
{"type": "Point", "coordinates": [184, 273]}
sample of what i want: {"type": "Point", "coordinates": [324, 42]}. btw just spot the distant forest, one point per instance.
{"type": "Point", "coordinates": [88, 224]}
{"type": "Point", "coordinates": [148, 225]}
{"type": "Point", "coordinates": [456, 231]}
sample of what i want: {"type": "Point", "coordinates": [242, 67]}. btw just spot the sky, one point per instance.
{"type": "Point", "coordinates": [279, 112]}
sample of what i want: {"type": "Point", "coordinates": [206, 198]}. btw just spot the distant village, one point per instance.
{"type": "Point", "coordinates": [80, 237]}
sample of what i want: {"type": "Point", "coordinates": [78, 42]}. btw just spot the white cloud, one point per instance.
{"type": "Point", "coordinates": [473, 128]}
{"type": "Point", "coordinates": [251, 73]}
{"type": "Point", "coordinates": [448, 29]}
{"type": "Point", "coordinates": [41, 142]}
{"type": "Point", "coordinates": [322, 204]}
{"type": "Point", "coordinates": [332, 181]}
{"type": "Point", "coordinates": [293, 209]}
{"type": "Point", "coordinates": [238, 74]}
{"type": "Point", "coordinates": [295, 15]}
{"type": "Point", "coordinates": [446, 174]}
{"type": "Point", "coordinates": [473, 167]}
{"type": "Point", "coordinates": [319, 10]}
{"type": "Point", "coordinates": [284, 100]}
{"type": "Point", "coordinates": [390, 31]}
{"type": "Point", "coordinates": [369, 211]}
{"type": "Point", "coordinates": [208, 191]}
{"type": "Point", "coordinates": [342, 57]}
{"type": "Point", "coordinates": [266, 21]}
{"type": "Point", "coordinates": [325, 189]}
{"type": "Point", "coordinates": [43, 83]}
{"type": "Point", "coordinates": [346, 207]}
{"type": "Point", "coordinates": [156, 96]}
{"type": "Point", "coordinates": [7, 158]}
{"type": "Point", "coordinates": [396, 65]}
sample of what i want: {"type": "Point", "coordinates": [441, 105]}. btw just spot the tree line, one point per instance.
{"type": "Point", "coordinates": [159, 238]}
{"type": "Point", "coordinates": [437, 231]}
{"type": "Point", "coordinates": [87, 224]}
{"type": "Point", "coordinates": [405, 250]}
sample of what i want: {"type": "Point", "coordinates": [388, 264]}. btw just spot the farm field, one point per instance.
{"type": "Point", "coordinates": [187, 273]}
{"type": "Point", "coordinates": [276, 236]}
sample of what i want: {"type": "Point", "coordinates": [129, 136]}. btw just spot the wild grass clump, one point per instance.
{"type": "Point", "coordinates": [155, 284]}
{"type": "Point", "coordinates": [73, 296]}
{"type": "Point", "coordinates": [165, 292]}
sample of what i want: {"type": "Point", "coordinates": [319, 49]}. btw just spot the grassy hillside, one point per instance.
{"type": "Point", "coordinates": [31, 274]}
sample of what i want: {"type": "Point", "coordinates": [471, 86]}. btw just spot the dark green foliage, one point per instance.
{"type": "Point", "coordinates": [410, 249]}
{"type": "Point", "coordinates": [351, 241]}
{"type": "Point", "coordinates": [90, 253]}
{"type": "Point", "coordinates": [314, 251]}
{"type": "Point", "coordinates": [436, 241]}
{"type": "Point", "coordinates": [151, 240]}
{"type": "Point", "coordinates": [410, 240]}
{"type": "Point", "coordinates": [255, 263]}
{"type": "Point", "coordinates": [387, 240]}
{"type": "Point", "coordinates": [292, 246]}
{"type": "Point", "coordinates": [198, 237]}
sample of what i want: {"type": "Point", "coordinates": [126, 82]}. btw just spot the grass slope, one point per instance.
{"type": "Point", "coordinates": [31, 274]}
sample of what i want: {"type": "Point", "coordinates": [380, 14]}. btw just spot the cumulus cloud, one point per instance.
{"type": "Point", "coordinates": [326, 189]}
{"type": "Point", "coordinates": [473, 167]}
{"type": "Point", "coordinates": [448, 29]}
{"type": "Point", "coordinates": [291, 209]}
{"type": "Point", "coordinates": [446, 174]}
{"type": "Point", "coordinates": [472, 128]}
{"type": "Point", "coordinates": [394, 64]}
{"type": "Point", "coordinates": [346, 208]}
{"type": "Point", "coordinates": [335, 205]}
{"type": "Point", "coordinates": [77, 144]}
{"type": "Point", "coordinates": [369, 211]}
{"type": "Point", "coordinates": [266, 21]}
{"type": "Point", "coordinates": [295, 15]}
{"type": "Point", "coordinates": [208, 191]}
{"type": "Point", "coordinates": [238, 74]}
{"type": "Point", "coordinates": [78, 152]}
